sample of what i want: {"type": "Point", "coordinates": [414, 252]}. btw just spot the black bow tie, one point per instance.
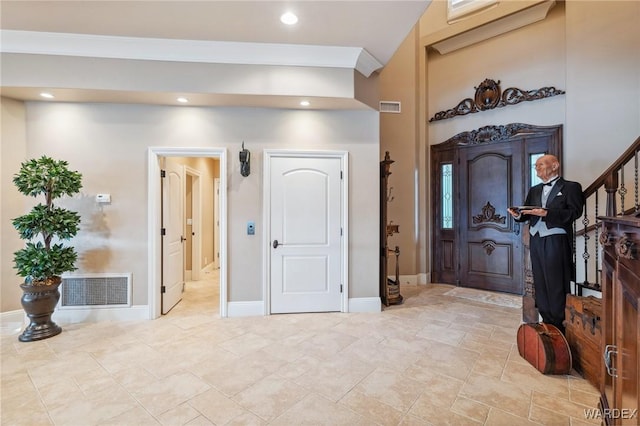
{"type": "Point", "coordinates": [551, 182]}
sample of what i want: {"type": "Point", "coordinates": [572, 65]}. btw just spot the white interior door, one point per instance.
{"type": "Point", "coordinates": [173, 239]}
{"type": "Point", "coordinates": [305, 231]}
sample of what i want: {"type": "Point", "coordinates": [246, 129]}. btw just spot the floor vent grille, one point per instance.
{"type": "Point", "coordinates": [96, 290]}
{"type": "Point", "coordinates": [390, 106]}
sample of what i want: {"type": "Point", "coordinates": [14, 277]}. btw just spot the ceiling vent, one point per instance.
{"type": "Point", "coordinates": [390, 106]}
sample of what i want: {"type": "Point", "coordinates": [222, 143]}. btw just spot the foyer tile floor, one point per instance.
{"type": "Point", "coordinates": [434, 360]}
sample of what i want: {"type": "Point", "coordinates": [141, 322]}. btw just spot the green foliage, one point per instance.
{"type": "Point", "coordinates": [41, 260]}
{"type": "Point", "coordinates": [47, 176]}
{"type": "Point", "coordinates": [36, 263]}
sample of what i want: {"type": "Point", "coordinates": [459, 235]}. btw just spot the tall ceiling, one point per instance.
{"type": "Point", "coordinates": [375, 27]}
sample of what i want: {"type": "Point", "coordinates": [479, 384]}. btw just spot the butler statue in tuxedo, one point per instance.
{"type": "Point", "coordinates": [556, 204]}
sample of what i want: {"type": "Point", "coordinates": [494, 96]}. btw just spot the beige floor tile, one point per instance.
{"type": "Point", "coordinates": [333, 378]}
{"type": "Point", "coordinates": [270, 397]}
{"type": "Point", "coordinates": [316, 410]}
{"type": "Point", "coordinates": [488, 364]}
{"type": "Point", "coordinates": [23, 408]}
{"type": "Point", "coordinates": [486, 344]}
{"type": "Point", "coordinates": [527, 377]}
{"type": "Point", "coordinates": [180, 415]}
{"type": "Point", "coordinates": [200, 421]}
{"type": "Point", "coordinates": [392, 388]}
{"type": "Point", "coordinates": [545, 417]}
{"type": "Point", "coordinates": [88, 412]}
{"type": "Point", "coordinates": [559, 405]}
{"type": "Point", "coordinates": [439, 396]}
{"type": "Point", "coordinates": [448, 360]}
{"type": "Point", "coordinates": [471, 409]}
{"type": "Point", "coordinates": [299, 367]}
{"type": "Point", "coordinates": [170, 392]}
{"type": "Point", "coordinates": [137, 415]}
{"type": "Point", "coordinates": [496, 393]}
{"type": "Point", "coordinates": [246, 419]}
{"type": "Point", "coordinates": [498, 417]}
{"type": "Point", "coordinates": [588, 399]}
{"type": "Point", "coordinates": [216, 407]}
{"type": "Point", "coordinates": [441, 334]}
{"type": "Point", "coordinates": [410, 420]}
{"type": "Point", "coordinates": [437, 415]}
{"type": "Point", "coordinates": [434, 360]}
{"type": "Point", "coordinates": [245, 344]}
{"type": "Point", "coordinates": [387, 355]}
{"type": "Point", "coordinates": [235, 376]}
{"type": "Point", "coordinates": [375, 410]}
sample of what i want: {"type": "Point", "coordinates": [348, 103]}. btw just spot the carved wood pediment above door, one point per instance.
{"type": "Point", "coordinates": [476, 176]}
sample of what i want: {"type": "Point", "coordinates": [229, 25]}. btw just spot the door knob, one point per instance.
{"type": "Point", "coordinates": [275, 244]}
{"type": "Point", "coordinates": [182, 239]}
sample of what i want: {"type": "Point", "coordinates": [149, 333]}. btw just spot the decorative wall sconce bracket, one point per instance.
{"type": "Point", "coordinates": [245, 161]}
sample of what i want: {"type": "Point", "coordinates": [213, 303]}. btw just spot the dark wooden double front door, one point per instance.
{"type": "Point", "coordinates": [476, 176]}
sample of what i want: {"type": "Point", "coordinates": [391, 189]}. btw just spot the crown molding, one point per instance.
{"type": "Point", "coordinates": [367, 64]}
{"type": "Point", "coordinates": [495, 28]}
{"type": "Point", "coordinates": [155, 49]}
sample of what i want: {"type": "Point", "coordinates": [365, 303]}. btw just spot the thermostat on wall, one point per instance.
{"type": "Point", "coordinates": [103, 198]}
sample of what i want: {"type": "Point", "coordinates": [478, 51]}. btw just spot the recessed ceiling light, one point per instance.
{"type": "Point", "coordinates": [288, 18]}
{"type": "Point", "coordinates": [182, 100]}
{"type": "Point", "coordinates": [46, 95]}
{"type": "Point", "coordinates": [305, 103]}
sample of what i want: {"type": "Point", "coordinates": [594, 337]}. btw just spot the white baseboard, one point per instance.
{"type": "Point", "coordinates": [208, 268]}
{"type": "Point", "coordinates": [73, 316]}
{"type": "Point", "coordinates": [417, 279]}
{"type": "Point", "coordinates": [424, 278]}
{"type": "Point", "coordinates": [245, 309]}
{"type": "Point", "coordinates": [365, 304]}
{"type": "Point", "coordinates": [12, 322]}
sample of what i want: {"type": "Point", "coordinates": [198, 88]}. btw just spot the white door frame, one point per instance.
{"type": "Point", "coordinates": [266, 211]}
{"type": "Point", "coordinates": [216, 223]}
{"type": "Point", "coordinates": [154, 209]}
{"type": "Point", "coordinates": [196, 224]}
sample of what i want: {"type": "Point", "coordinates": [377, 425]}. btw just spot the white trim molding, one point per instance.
{"type": "Point", "coordinates": [246, 309]}
{"type": "Point", "coordinates": [266, 217]}
{"type": "Point", "coordinates": [154, 220]}
{"type": "Point", "coordinates": [201, 51]}
{"type": "Point", "coordinates": [84, 315]}
{"type": "Point", "coordinates": [365, 304]}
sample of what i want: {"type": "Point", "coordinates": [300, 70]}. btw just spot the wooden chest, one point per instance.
{"type": "Point", "coordinates": [584, 333]}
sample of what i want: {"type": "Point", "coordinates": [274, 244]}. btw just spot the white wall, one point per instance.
{"type": "Point", "coordinates": [595, 60]}
{"type": "Point", "coordinates": [603, 84]}
{"type": "Point", "coordinates": [13, 204]}
{"type": "Point", "coordinates": [528, 58]}
{"type": "Point", "coordinates": [108, 144]}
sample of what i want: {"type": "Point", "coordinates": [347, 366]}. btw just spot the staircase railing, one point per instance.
{"type": "Point", "coordinates": [615, 184]}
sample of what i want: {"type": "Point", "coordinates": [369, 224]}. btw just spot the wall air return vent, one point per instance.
{"type": "Point", "coordinates": [390, 106]}
{"type": "Point", "coordinates": [95, 290]}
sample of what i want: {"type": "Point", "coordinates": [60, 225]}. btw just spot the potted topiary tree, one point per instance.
{"type": "Point", "coordinates": [44, 257]}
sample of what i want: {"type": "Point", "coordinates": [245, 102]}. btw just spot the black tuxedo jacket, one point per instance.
{"type": "Point", "coordinates": [564, 205]}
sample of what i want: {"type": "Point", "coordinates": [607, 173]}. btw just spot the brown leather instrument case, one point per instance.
{"type": "Point", "coordinates": [544, 347]}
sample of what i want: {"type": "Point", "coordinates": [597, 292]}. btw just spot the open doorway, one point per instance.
{"type": "Point", "coordinates": [200, 210]}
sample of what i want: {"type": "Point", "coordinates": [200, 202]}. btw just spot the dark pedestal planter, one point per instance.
{"type": "Point", "coordinates": [39, 302]}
